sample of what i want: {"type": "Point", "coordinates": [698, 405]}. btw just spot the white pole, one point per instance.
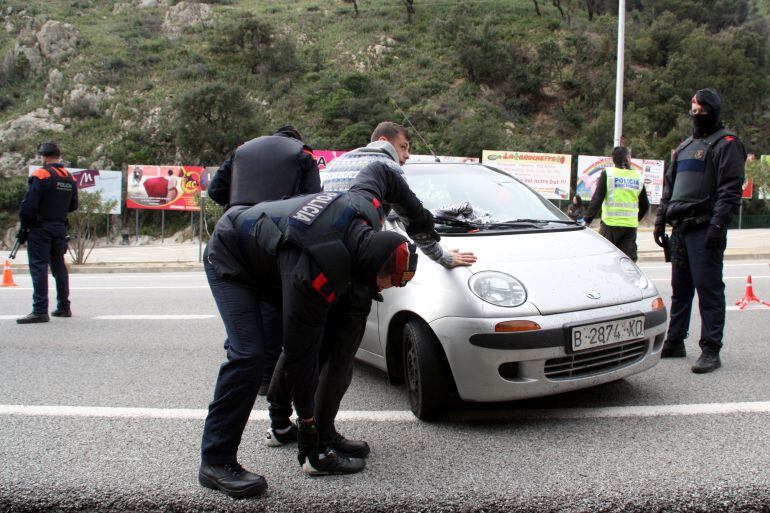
{"type": "Point", "coordinates": [620, 67]}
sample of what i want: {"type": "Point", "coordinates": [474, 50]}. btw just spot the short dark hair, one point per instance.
{"type": "Point", "coordinates": [389, 130]}
{"type": "Point", "coordinates": [49, 149]}
{"type": "Point", "coordinates": [620, 156]}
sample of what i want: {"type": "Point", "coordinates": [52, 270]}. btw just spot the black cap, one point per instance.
{"type": "Point", "coordinates": [49, 149]}
{"type": "Point", "coordinates": [290, 131]}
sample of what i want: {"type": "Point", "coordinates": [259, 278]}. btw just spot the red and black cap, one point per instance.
{"type": "Point", "coordinates": [405, 264]}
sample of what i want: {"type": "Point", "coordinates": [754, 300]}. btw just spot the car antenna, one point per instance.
{"type": "Point", "coordinates": [415, 129]}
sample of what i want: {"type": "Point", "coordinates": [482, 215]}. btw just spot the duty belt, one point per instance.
{"type": "Point", "coordinates": [691, 222]}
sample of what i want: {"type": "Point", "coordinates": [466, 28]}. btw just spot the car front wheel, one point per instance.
{"type": "Point", "coordinates": [428, 379]}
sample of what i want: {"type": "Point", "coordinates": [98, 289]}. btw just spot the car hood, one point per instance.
{"type": "Point", "coordinates": [561, 270]}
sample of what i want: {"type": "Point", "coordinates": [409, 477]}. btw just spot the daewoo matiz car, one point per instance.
{"type": "Point", "coordinates": [550, 306]}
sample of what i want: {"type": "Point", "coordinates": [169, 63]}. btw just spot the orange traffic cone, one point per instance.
{"type": "Point", "coordinates": [7, 276]}
{"type": "Point", "coordinates": [749, 296]}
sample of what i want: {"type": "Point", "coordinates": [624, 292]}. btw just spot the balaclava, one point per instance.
{"type": "Point", "coordinates": [706, 124]}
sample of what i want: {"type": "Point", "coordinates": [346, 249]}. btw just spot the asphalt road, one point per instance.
{"type": "Point", "coordinates": [665, 440]}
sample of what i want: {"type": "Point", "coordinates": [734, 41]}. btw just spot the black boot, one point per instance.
{"type": "Point", "coordinates": [62, 312]}
{"type": "Point", "coordinates": [232, 479]}
{"type": "Point", "coordinates": [707, 362]}
{"type": "Point", "coordinates": [33, 318]}
{"type": "Point", "coordinates": [673, 349]}
{"type": "Point", "coordinates": [320, 463]}
{"type": "Point", "coordinates": [350, 448]}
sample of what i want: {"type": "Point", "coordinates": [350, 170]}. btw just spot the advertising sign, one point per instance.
{"type": "Point", "coordinates": [590, 168]}
{"type": "Point", "coordinates": [164, 187]}
{"type": "Point", "coordinates": [107, 183]}
{"type": "Point", "coordinates": [324, 157]}
{"type": "Point", "coordinates": [547, 173]}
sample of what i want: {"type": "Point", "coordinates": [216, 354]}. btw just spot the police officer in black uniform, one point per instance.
{"type": "Point", "coordinates": [301, 255]}
{"type": "Point", "coordinates": [701, 192]}
{"type": "Point", "coordinates": [267, 168]}
{"type": "Point", "coordinates": [51, 195]}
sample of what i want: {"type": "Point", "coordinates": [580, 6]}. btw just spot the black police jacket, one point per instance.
{"type": "Point", "coordinates": [51, 195]}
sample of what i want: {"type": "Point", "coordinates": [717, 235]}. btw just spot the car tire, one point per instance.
{"type": "Point", "coordinates": [426, 373]}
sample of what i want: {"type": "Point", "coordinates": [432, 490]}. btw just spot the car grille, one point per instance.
{"type": "Point", "coordinates": [595, 362]}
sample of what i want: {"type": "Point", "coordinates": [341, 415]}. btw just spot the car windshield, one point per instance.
{"type": "Point", "coordinates": [474, 196]}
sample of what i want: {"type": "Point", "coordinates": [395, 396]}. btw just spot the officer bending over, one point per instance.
{"type": "Point", "coordinates": [346, 323]}
{"type": "Point", "coordinates": [300, 254]}
{"type": "Point", "coordinates": [267, 168]}
{"type": "Point", "coordinates": [52, 194]}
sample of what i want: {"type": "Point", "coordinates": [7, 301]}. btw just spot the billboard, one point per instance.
{"type": "Point", "coordinates": [590, 168]}
{"type": "Point", "coordinates": [107, 183]}
{"type": "Point", "coordinates": [547, 173]}
{"type": "Point", "coordinates": [324, 157]}
{"type": "Point", "coordinates": [164, 187]}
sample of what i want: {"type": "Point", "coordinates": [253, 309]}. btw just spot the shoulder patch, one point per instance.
{"type": "Point", "coordinates": [41, 174]}
{"type": "Point", "coordinates": [729, 138]}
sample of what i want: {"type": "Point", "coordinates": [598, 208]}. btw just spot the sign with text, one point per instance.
{"type": "Point", "coordinates": [547, 173]}
{"type": "Point", "coordinates": [164, 187]}
{"type": "Point", "coordinates": [106, 183]}
{"type": "Point", "coordinates": [590, 168]}
{"type": "Point", "coordinates": [324, 157]}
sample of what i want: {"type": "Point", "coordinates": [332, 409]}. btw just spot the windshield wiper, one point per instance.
{"type": "Point", "coordinates": [451, 221]}
{"type": "Point", "coordinates": [459, 223]}
{"type": "Point", "coordinates": [540, 221]}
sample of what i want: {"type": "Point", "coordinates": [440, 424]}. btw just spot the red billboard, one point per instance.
{"type": "Point", "coordinates": [164, 187]}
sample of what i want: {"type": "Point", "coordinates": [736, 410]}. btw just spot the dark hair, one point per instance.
{"type": "Point", "coordinates": [49, 149]}
{"type": "Point", "coordinates": [290, 131]}
{"type": "Point", "coordinates": [389, 130]}
{"type": "Point", "coordinates": [170, 172]}
{"type": "Point", "coordinates": [620, 156]}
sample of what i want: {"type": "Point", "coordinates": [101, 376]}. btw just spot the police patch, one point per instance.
{"type": "Point", "coordinates": [699, 154]}
{"type": "Point", "coordinates": [312, 208]}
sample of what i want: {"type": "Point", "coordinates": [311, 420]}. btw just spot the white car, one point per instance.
{"type": "Point", "coordinates": [549, 307]}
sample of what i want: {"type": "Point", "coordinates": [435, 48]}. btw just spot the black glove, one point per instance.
{"type": "Point", "coordinates": [658, 233]}
{"type": "Point", "coordinates": [714, 237]}
{"type": "Point", "coordinates": [22, 235]}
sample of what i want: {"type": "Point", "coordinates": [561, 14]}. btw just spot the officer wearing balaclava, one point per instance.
{"type": "Point", "coordinates": [701, 192]}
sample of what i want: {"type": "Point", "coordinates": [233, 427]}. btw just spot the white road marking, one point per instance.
{"type": "Point", "coordinates": [140, 317]}
{"type": "Point", "coordinates": [751, 306]}
{"type": "Point", "coordinates": [405, 416]}
{"type": "Point", "coordinates": [726, 266]}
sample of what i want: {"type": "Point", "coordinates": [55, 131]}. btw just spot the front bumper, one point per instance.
{"type": "Point", "coordinates": [489, 366]}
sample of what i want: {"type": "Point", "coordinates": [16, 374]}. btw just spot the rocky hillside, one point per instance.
{"type": "Point", "coordinates": [141, 81]}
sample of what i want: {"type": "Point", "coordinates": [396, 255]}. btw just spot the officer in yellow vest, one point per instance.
{"type": "Point", "coordinates": [623, 200]}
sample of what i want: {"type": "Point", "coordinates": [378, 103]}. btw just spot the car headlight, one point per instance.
{"type": "Point", "coordinates": [498, 288]}
{"type": "Point", "coordinates": [632, 273]}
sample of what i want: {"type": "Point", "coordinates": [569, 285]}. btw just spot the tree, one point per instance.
{"type": "Point", "coordinates": [83, 222]}
{"type": "Point", "coordinates": [258, 43]}
{"type": "Point", "coordinates": [212, 120]}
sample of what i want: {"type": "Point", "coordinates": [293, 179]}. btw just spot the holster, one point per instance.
{"type": "Point", "coordinates": [666, 247]}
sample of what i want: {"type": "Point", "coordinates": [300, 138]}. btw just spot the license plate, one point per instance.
{"type": "Point", "coordinates": [606, 333]}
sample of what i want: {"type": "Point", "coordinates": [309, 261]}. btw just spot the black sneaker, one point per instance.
{"type": "Point", "coordinates": [349, 448]}
{"type": "Point", "coordinates": [673, 349]}
{"type": "Point", "coordinates": [232, 479]}
{"type": "Point", "coordinates": [59, 312]}
{"type": "Point", "coordinates": [707, 362]}
{"type": "Point", "coordinates": [276, 439]}
{"type": "Point", "coordinates": [33, 318]}
{"type": "Point", "coordinates": [329, 462]}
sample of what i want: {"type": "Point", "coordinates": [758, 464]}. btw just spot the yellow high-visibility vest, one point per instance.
{"type": "Point", "coordinates": [621, 203]}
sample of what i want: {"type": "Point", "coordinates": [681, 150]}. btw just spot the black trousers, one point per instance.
{"type": "Point", "coordinates": [240, 375]}
{"type": "Point", "coordinates": [46, 246]}
{"type": "Point", "coordinates": [343, 332]}
{"type": "Point", "coordinates": [696, 268]}
{"type": "Point", "coordinates": [623, 237]}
